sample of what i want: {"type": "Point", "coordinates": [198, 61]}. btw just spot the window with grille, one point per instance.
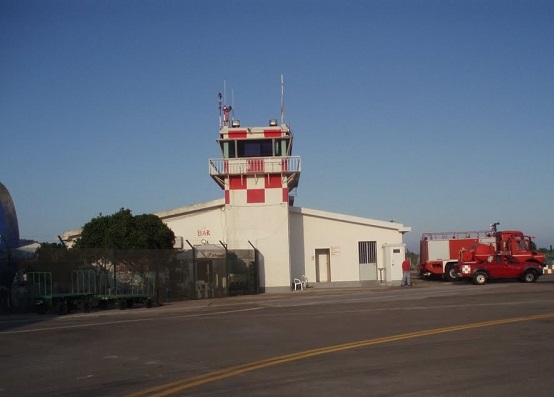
{"type": "Point", "coordinates": [367, 251]}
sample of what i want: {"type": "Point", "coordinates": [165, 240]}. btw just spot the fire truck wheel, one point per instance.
{"type": "Point", "coordinates": [479, 278]}
{"type": "Point", "coordinates": [529, 277]}
{"type": "Point", "coordinates": [449, 273]}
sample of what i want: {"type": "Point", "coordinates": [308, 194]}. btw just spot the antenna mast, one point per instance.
{"type": "Point", "coordinates": [282, 100]}
{"type": "Point", "coordinates": [219, 99]}
{"type": "Point", "coordinates": [226, 108]}
{"type": "Point", "coordinates": [232, 104]}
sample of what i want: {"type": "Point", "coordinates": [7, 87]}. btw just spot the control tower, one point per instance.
{"type": "Point", "coordinates": [257, 173]}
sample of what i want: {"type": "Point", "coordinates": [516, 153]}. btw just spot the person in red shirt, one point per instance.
{"type": "Point", "coordinates": [406, 273]}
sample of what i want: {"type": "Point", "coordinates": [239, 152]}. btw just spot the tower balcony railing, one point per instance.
{"type": "Point", "coordinates": [254, 165]}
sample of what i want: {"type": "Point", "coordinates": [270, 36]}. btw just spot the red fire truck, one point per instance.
{"type": "Point", "coordinates": [512, 256]}
{"type": "Point", "coordinates": [438, 252]}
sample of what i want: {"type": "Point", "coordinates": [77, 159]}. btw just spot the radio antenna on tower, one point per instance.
{"type": "Point", "coordinates": [219, 98]}
{"type": "Point", "coordinates": [232, 104]}
{"type": "Point", "coordinates": [282, 100]}
{"type": "Point", "coordinates": [226, 108]}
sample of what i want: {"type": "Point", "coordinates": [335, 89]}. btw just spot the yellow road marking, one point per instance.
{"type": "Point", "coordinates": [183, 384]}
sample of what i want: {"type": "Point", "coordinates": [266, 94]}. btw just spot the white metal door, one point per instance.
{"type": "Point", "coordinates": [394, 256]}
{"type": "Point", "coordinates": [323, 265]}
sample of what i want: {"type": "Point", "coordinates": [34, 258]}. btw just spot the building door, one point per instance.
{"type": "Point", "coordinates": [323, 265]}
{"type": "Point", "coordinates": [367, 253]}
{"type": "Point", "coordinates": [203, 270]}
{"type": "Point", "coordinates": [394, 256]}
{"type": "Point", "coordinates": [204, 279]}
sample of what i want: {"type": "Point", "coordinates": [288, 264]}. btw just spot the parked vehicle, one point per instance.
{"type": "Point", "coordinates": [512, 255]}
{"type": "Point", "coordinates": [500, 267]}
{"type": "Point", "coordinates": [439, 252]}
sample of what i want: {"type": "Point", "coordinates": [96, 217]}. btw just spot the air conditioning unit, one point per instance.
{"type": "Point", "coordinates": [178, 243]}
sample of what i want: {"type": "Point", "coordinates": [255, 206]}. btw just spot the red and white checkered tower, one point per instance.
{"type": "Point", "coordinates": [257, 173]}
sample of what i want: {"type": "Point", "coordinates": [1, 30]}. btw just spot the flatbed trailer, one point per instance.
{"type": "Point", "coordinates": [127, 291]}
{"type": "Point", "coordinates": [81, 295]}
{"type": "Point", "coordinates": [89, 290]}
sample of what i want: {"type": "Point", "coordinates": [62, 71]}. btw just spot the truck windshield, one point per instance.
{"type": "Point", "coordinates": [522, 245]}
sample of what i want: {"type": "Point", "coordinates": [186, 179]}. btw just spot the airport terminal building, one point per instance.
{"type": "Point", "coordinates": [257, 174]}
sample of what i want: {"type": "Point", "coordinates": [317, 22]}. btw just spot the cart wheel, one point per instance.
{"type": "Point", "coordinates": [42, 308]}
{"type": "Point", "coordinates": [62, 308]}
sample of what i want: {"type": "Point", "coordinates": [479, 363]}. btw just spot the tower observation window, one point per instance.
{"type": "Point", "coordinates": [254, 148]}
{"type": "Point", "coordinates": [228, 149]}
{"type": "Point", "coordinates": [241, 148]}
{"type": "Point", "coordinates": [281, 147]}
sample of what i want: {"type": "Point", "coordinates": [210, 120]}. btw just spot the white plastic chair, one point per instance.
{"type": "Point", "coordinates": [297, 284]}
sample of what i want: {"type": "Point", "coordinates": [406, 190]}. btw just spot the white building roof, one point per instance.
{"type": "Point", "coordinates": [190, 209]}
{"type": "Point", "coordinates": [208, 205]}
{"type": "Point", "coordinates": [351, 219]}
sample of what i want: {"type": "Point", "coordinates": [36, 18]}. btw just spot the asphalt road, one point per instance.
{"type": "Point", "coordinates": [433, 339]}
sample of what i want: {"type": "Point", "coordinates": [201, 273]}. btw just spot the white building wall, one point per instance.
{"type": "Point", "coordinates": [340, 234]}
{"type": "Point", "coordinates": [287, 238]}
{"type": "Point", "coordinates": [267, 228]}
{"type": "Point", "coordinates": [199, 224]}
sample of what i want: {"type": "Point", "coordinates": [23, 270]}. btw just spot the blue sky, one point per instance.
{"type": "Point", "coordinates": [438, 114]}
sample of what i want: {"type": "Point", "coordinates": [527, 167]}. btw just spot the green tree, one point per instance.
{"type": "Point", "coordinates": [55, 259]}
{"type": "Point", "coordinates": [50, 252]}
{"type": "Point", "coordinates": [141, 241]}
{"type": "Point", "coordinates": [122, 230]}
{"type": "Point", "coordinates": [549, 254]}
